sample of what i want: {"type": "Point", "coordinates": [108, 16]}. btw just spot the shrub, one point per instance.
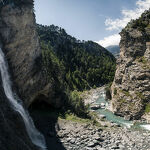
{"type": "Point", "coordinates": [147, 108]}
{"type": "Point", "coordinates": [76, 104]}
{"type": "Point", "coordinates": [108, 91]}
{"type": "Point", "coordinates": [115, 91]}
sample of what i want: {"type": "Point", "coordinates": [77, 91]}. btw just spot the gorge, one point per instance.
{"type": "Point", "coordinates": [49, 70]}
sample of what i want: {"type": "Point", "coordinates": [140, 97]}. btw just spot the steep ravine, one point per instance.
{"type": "Point", "coordinates": [130, 89]}
{"type": "Point", "coordinates": [131, 86]}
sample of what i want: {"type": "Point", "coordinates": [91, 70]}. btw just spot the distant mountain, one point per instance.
{"type": "Point", "coordinates": [114, 49]}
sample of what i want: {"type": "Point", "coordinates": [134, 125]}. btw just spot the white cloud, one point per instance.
{"type": "Point", "coordinates": [110, 40]}
{"type": "Point", "coordinates": [127, 15]}
{"type": "Point", "coordinates": [119, 23]}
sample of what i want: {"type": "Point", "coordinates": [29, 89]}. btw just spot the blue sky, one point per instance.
{"type": "Point", "coordinates": [97, 20]}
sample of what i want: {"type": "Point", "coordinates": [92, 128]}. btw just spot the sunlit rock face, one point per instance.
{"type": "Point", "coordinates": [22, 49]}
{"type": "Point", "coordinates": [131, 86]}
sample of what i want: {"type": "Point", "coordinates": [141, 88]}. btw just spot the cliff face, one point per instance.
{"type": "Point", "coordinates": [131, 86]}
{"type": "Point", "coordinates": [13, 132]}
{"type": "Point", "coordinates": [21, 46]}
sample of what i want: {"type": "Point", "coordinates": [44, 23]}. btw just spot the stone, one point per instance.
{"type": "Point", "coordinates": [91, 144]}
{"type": "Point", "coordinates": [131, 85]}
{"type": "Point", "coordinates": [102, 116]}
{"type": "Point", "coordinates": [22, 48]}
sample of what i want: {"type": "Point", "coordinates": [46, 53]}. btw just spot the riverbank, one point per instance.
{"type": "Point", "coordinates": [68, 132]}
{"type": "Point", "coordinates": [98, 103]}
{"type": "Point", "coordinates": [92, 95]}
{"type": "Point", "coordinates": [73, 134]}
{"type": "Point", "coordinates": [78, 136]}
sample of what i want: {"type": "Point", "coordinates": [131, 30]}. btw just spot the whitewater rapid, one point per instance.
{"type": "Point", "coordinates": [35, 136]}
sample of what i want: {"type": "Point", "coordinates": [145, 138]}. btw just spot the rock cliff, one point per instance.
{"type": "Point", "coordinates": [131, 86]}
{"type": "Point", "coordinates": [13, 133]}
{"type": "Point", "coordinates": [21, 46]}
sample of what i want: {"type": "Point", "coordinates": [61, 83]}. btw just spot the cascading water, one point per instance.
{"type": "Point", "coordinates": [36, 137]}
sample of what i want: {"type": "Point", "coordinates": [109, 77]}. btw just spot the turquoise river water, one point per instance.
{"type": "Point", "coordinates": [117, 119]}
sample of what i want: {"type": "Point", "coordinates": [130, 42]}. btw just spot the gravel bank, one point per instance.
{"type": "Point", "coordinates": [77, 136]}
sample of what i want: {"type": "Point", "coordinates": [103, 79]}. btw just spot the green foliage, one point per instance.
{"type": "Point", "coordinates": [140, 95]}
{"type": "Point", "coordinates": [17, 3]}
{"type": "Point", "coordinates": [74, 118]}
{"type": "Point", "coordinates": [147, 108]}
{"type": "Point", "coordinates": [51, 64]}
{"type": "Point", "coordinates": [108, 91]}
{"type": "Point", "coordinates": [122, 101]}
{"type": "Point", "coordinates": [86, 64]}
{"type": "Point", "coordinates": [142, 60]}
{"type": "Point", "coordinates": [115, 91]}
{"type": "Point", "coordinates": [94, 86]}
{"type": "Point", "coordinates": [74, 65]}
{"type": "Point", "coordinates": [126, 93]}
{"type": "Point", "coordinates": [77, 104]}
{"type": "Point", "coordinates": [141, 23]}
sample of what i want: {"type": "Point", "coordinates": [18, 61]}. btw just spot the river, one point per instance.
{"type": "Point", "coordinates": [110, 116]}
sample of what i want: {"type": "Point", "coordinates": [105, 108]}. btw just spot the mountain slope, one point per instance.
{"type": "Point", "coordinates": [114, 49]}
{"type": "Point", "coordinates": [86, 64]}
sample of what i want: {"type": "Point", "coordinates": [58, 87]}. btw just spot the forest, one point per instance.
{"type": "Point", "coordinates": [80, 65]}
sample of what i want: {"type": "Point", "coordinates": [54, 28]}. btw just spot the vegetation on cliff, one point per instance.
{"type": "Point", "coordinates": [74, 65]}
{"type": "Point", "coordinates": [16, 2]}
{"type": "Point", "coordinates": [130, 89]}
{"type": "Point", "coordinates": [86, 64]}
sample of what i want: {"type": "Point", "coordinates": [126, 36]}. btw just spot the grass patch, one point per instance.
{"type": "Point", "coordinates": [121, 101]}
{"type": "Point", "coordinates": [126, 93]}
{"type": "Point", "coordinates": [115, 91]}
{"type": "Point", "coordinates": [148, 26]}
{"type": "Point", "coordinates": [145, 64]}
{"type": "Point", "coordinates": [142, 60]}
{"type": "Point", "coordinates": [76, 104]}
{"type": "Point", "coordinates": [74, 118]}
{"type": "Point", "coordinates": [140, 95]}
{"type": "Point", "coordinates": [131, 106]}
{"type": "Point", "coordinates": [108, 91]}
{"type": "Point", "coordinates": [147, 108]}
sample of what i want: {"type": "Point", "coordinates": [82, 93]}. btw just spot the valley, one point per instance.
{"type": "Point", "coordinates": [61, 93]}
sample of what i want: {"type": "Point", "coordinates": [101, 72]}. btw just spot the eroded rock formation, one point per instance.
{"type": "Point", "coordinates": [131, 86]}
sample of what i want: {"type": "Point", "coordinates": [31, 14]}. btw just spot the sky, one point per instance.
{"type": "Point", "coordinates": [96, 20]}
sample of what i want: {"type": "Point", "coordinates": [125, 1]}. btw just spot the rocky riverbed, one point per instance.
{"type": "Point", "coordinates": [61, 134]}
{"type": "Point", "coordinates": [92, 95]}
{"type": "Point", "coordinates": [78, 136]}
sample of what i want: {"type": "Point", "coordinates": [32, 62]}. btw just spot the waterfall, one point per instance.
{"type": "Point", "coordinates": [35, 136]}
